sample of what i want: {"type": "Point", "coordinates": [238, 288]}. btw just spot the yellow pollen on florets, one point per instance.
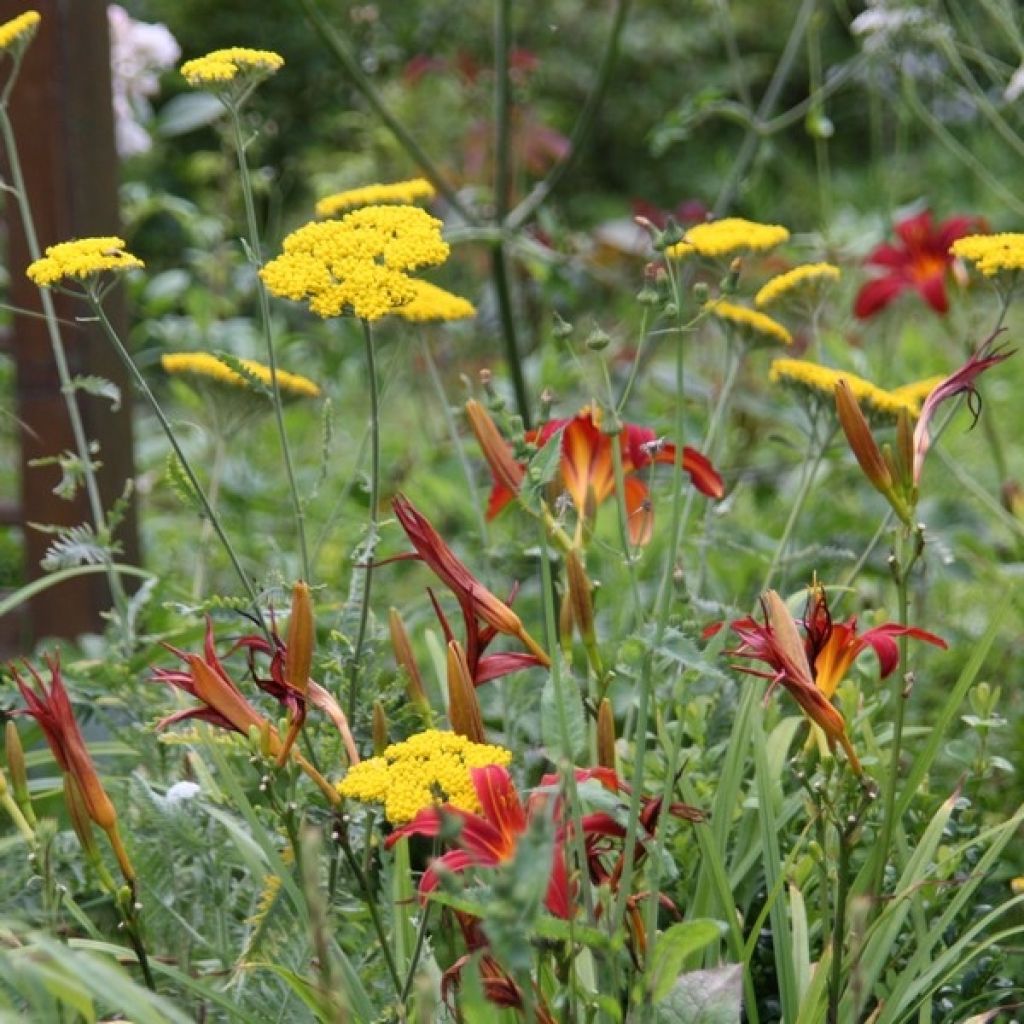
{"type": "Point", "coordinates": [917, 391]}
{"type": "Point", "coordinates": [820, 382]}
{"type": "Point", "coordinates": [202, 364]}
{"type": "Point", "coordinates": [991, 253]}
{"type": "Point", "coordinates": [430, 304]}
{"type": "Point", "coordinates": [358, 263]}
{"type": "Point", "coordinates": [800, 279]}
{"type": "Point", "coordinates": [220, 66]}
{"type": "Point", "coordinates": [757, 326]}
{"type": "Point", "coordinates": [19, 30]}
{"type": "Point", "coordinates": [428, 769]}
{"type": "Point", "coordinates": [411, 191]}
{"type": "Point", "coordinates": [728, 237]}
{"type": "Point", "coordinates": [81, 259]}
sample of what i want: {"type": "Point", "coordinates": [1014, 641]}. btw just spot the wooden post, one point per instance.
{"type": "Point", "coordinates": [63, 120]}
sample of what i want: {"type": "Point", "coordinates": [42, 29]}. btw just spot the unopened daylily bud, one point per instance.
{"type": "Point", "coordinates": [579, 596]}
{"type": "Point", "coordinates": [495, 448]}
{"type": "Point", "coordinates": [565, 623]}
{"type": "Point", "coordinates": [905, 450]}
{"type": "Point", "coordinates": [403, 655]}
{"type": "Point", "coordinates": [19, 773]}
{"type": "Point", "coordinates": [861, 440]}
{"type": "Point", "coordinates": [605, 735]}
{"type": "Point", "coordinates": [79, 816]}
{"type": "Point", "coordinates": [301, 638]}
{"type": "Point", "coordinates": [463, 706]}
{"type": "Point", "coordinates": [1013, 499]}
{"type": "Point", "coordinates": [379, 728]}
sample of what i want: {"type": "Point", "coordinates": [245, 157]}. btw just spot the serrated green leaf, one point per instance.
{"type": "Point", "coordinates": [704, 997]}
{"type": "Point", "coordinates": [672, 949]}
{"type": "Point", "coordinates": [92, 384]}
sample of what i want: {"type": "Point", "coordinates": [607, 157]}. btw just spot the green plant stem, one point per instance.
{"type": "Point", "coordinates": [216, 475]}
{"type": "Point", "coordinates": [140, 383]}
{"type": "Point", "coordinates": [67, 386]}
{"type": "Point", "coordinates": [256, 259]}
{"type": "Point", "coordinates": [371, 536]}
{"type": "Point", "coordinates": [506, 316]}
{"type": "Point", "coordinates": [842, 891]}
{"type": "Point", "coordinates": [339, 48]}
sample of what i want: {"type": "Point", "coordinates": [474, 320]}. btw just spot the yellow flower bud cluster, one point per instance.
{"type": "Point", "coordinates": [820, 382]}
{"type": "Point", "coordinates": [19, 30]}
{"type": "Point", "coordinates": [81, 259]}
{"type": "Point", "coordinates": [758, 327]}
{"type": "Point", "coordinates": [358, 263]}
{"type": "Point", "coordinates": [730, 236]}
{"type": "Point", "coordinates": [226, 65]}
{"type": "Point", "coordinates": [805, 278]}
{"type": "Point", "coordinates": [209, 367]}
{"type": "Point", "coordinates": [407, 192]}
{"type": "Point", "coordinates": [431, 304]}
{"type": "Point", "coordinates": [991, 253]}
{"type": "Point", "coordinates": [428, 769]}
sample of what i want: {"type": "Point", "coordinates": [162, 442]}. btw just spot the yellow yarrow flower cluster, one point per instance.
{"type": "Point", "coordinates": [756, 326]}
{"type": "Point", "coordinates": [18, 32]}
{"type": "Point", "coordinates": [728, 237]}
{"type": "Point", "coordinates": [808, 277]}
{"type": "Point", "coordinates": [209, 367]}
{"type": "Point", "coordinates": [358, 263]}
{"type": "Point", "coordinates": [991, 253]}
{"type": "Point", "coordinates": [220, 66]}
{"type": "Point", "coordinates": [820, 382]}
{"type": "Point", "coordinates": [428, 769]}
{"type": "Point", "coordinates": [431, 304]}
{"type": "Point", "coordinates": [408, 192]}
{"type": "Point", "coordinates": [917, 391]}
{"type": "Point", "coordinates": [82, 259]}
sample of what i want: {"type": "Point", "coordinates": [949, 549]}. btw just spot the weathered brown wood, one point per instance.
{"type": "Point", "coordinates": [63, 120]}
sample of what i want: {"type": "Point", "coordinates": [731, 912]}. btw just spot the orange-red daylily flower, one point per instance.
{"type": "Point", "coordinates": [919, 260]}
{"type": "Point", "coordinates": [476, 601]}
{"type": "Point", "coordinates": [52, 709]}
{"type": "Point", "coordinates": [588, 472]}
{"type": "Point", "coordinates": [812, 668]}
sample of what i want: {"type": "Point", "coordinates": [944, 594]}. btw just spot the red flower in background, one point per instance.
{"type": "Point", "coordinates": [919, 259]}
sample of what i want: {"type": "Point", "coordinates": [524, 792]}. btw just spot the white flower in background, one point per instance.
{"type": "Point", "coordinates": [1015, 86]}
{"type": "Point", "coordinates": [180, 792]}
{"type": "Point", "coordinates": [138, 53]}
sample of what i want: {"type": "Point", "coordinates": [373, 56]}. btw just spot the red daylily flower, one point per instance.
{"type": "Point", "coordinates": [486, 839]}
{"type": "Point", "coordinates": [588, 472]}
{"type": "Point", "coordinates": [475, 600]}
{"type": "Point", "coordinates": [52, 710]}
{"type": "Point", "coordinates": [958, 382]}
{"type": "Point", "coordinates": [920, 260]}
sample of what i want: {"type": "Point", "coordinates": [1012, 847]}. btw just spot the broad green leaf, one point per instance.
{"type": "Point", "coordinates": [186, 112]}
{"type": "Point", "coordinates": [704, 997]}
{"type": "Point", "coordinates": [672, 949]}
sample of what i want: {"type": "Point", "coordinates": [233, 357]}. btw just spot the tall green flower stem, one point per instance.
{"type": "Point", "coordinates": [93, 297]}
{"type": "Point", "coordinates": [907, 549]}
{"type": "Point", "coordinates": [218, 460]}
{"type": "Point", "coordinates": [371, 535]}
{"type": "Point", "coordinates": [67, 384]}
{"type": "Point", "coordinates": [256, 259]}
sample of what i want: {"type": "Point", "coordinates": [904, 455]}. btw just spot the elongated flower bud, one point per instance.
{"type": "Point", "coordinates": [19, 773]}
{"type": "Point", "coordinates": [301, 639]}
{"type": "Point", "coordinates": [404, 657]}
{"type": "Point", "coordinates": [495, 448]}
{"type": "Point", "coordinates": [79, 817]}
{"type": "Point", "coordinates": [579, 595]}
{"type": "Point", "coordinates": [606, 735]}
{"type": "Point", "coordinates": [463, 706]}
{"type": "Point", "coordinates": [379, 728]}
{"type": "Point", "coordinates": [861, 440]}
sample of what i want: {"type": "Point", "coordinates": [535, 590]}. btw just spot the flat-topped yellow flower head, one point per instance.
{"type": "Point", "coordinates": [426, 770]}
{"type": "Point", "coordinates": [81, 260]}
{"type": "Point", "coordinates": [917, 391]}
{"type": "Point", "coordinates": [992, 254]}
{"type": "Point", "coordinates": [206, 367]}
{"type": "Point", "coordinates": [358, 264]}
{"type": "Point", "coordinates": [16, 34]}
{"type": "Point", "coordinates": [408, 192]}
{"type": "Point", "coordinates": [757, 328]}
{"type": "Point", "coordinates": [804, 282]}
{"type": "Point", "coordinates": [235, 64]}
{"type": "Point", "coordinates": [431, 304]}
{"type": "Point", "coordinates": [731, 236]}
{"type": "Point", "coordinates": [819, 384]}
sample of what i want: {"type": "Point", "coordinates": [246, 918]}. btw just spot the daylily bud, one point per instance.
{"type": "Point", "coordinates": [301, 638]}
{"type": "Point", "coordinates": [605, 735]}
{"type": "Point", "coordinates": [579, 596]}
{"type": "Point", "coordinates": [379, 728]}
{"type": "Point", "coordinates": [905, 450]}
{"type": "Point", "coordinates": [19, 773]}
{"type": "Point", "coordinates": [79, 817]}
{"type": "Point", "coordinates": [403, 655]}
{"type": "Point", "coordinates": [463, 706]}
{"type": "Point", "coordinates": [861, 440]}
{"type": "Point", "coordinates": [565, 623]}
{"type": "Point", "coordinates": [495, 448]}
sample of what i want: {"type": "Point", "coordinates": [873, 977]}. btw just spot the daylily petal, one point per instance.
{"type": "Point", "coordinates": [933, 291]}
{"type": "Point", "coordinates": [881, 640]}
{"type": "Point", "coordinates": [495, 666]}
{"type": "Point", "coordinates": [500, 801]}
{"type": "Point", "coordinates": [877, 294]}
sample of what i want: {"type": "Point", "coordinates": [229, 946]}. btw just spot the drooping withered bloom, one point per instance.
{"type": "Point", "coordinates": [812, 668]}
{"type": "Point", "coordinates": [51, 708]}
{"type": "Point", "coordinates": [485, 615]}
